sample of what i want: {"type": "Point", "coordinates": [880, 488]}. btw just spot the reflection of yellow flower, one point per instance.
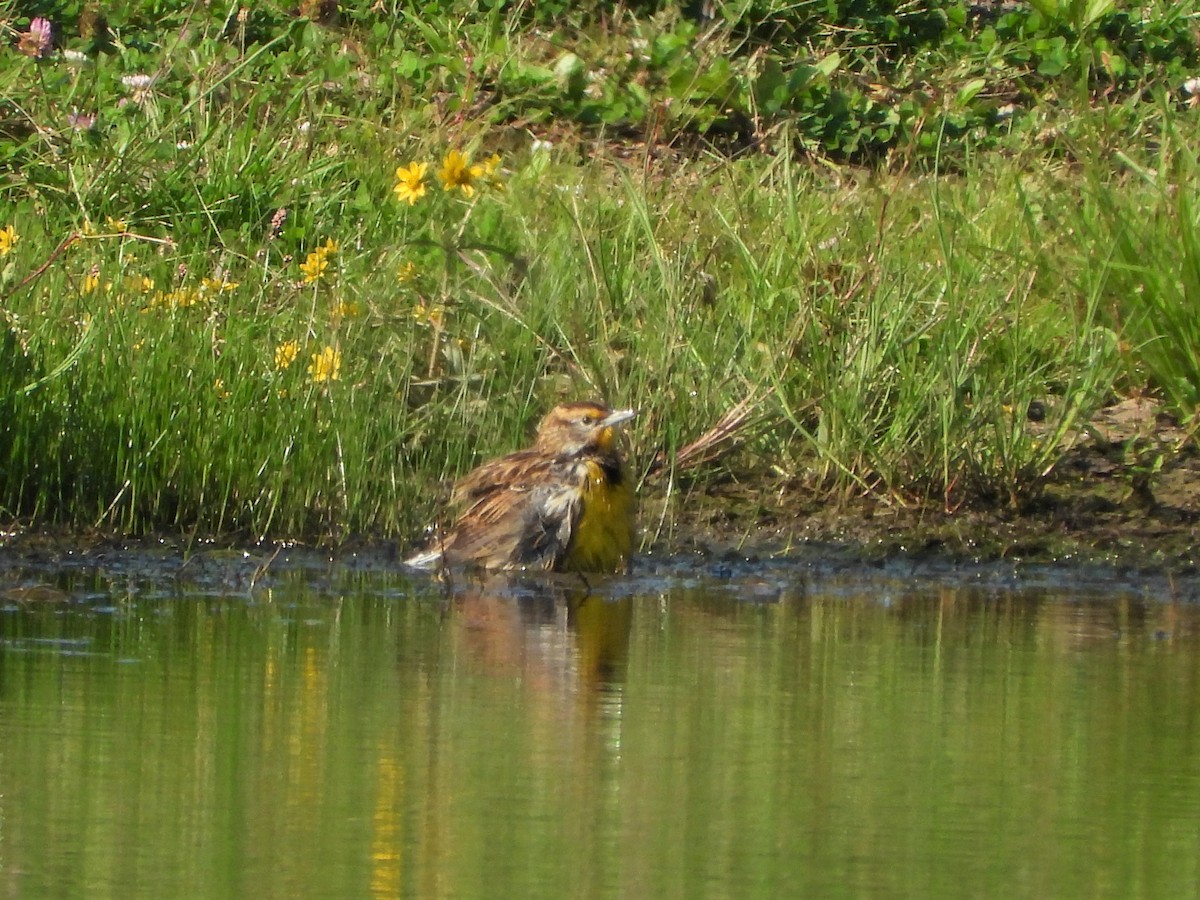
{"type": "Point", "coordinates": [325, 366]}
{"type": "Point", "coordinates": [457, 172]}
{"type": "Point", "coordinates": [410, 182]}
{"type": "Point", "coordinates": [8, 239]}
{"type": "Point", "coordinates": [285, 354]}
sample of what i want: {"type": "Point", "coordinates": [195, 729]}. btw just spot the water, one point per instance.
{"type": "Point", "coordinates": [301, 729]}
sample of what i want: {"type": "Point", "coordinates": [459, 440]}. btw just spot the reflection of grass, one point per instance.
{"type": "Point", "coordinates": [269, 337]}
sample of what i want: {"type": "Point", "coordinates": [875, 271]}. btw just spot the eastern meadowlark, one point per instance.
{"type": "Point", "coordinates": [565, 504]}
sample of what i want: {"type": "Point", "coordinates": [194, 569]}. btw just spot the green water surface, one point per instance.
{"type": "Point", "coordinates": [799, 734]}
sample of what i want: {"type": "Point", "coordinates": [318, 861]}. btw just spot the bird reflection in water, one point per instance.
{"type": "Point", "coordinates": [560, 637]}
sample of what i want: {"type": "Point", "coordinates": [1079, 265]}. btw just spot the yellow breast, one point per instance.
{"type": "Point", "coordinates": [603, 538]}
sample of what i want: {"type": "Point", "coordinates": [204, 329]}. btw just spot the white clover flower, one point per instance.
{"type": "Point", "coordinates": [1192, 86]}
{"type": "Point", "coordinates": [540, 146]}
{"type": "Point", "coordinates": [138, 82]}
{"type": "Point", "coordinates": [75, 57]}
{"type": "Point", "coordinates": [139, 87]}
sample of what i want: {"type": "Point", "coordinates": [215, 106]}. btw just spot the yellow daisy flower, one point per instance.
{"type": "Point", "coordinates": [491, 172]}
{"type": "Point", "coordinates": [8, 239]}
{"type": "Point", "coordinates": [457, 172]}
{"type": "Point", "coordinates": [410, 182]}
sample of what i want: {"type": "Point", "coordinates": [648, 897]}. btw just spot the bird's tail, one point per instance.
{"type": "Point", "coordinates": [426, 559]}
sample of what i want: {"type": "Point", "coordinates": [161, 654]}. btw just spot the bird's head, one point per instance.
{"type": "Point", "coordinates": [575, 428]}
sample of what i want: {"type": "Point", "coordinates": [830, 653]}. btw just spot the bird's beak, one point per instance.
{"type": "Point", "coordinates": [617, 417]}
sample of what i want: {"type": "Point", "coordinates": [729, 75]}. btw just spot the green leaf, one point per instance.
{"type": "Point", "coordinates": [968, 91]}
{"type": "Point", "coordinates": [1051, 9]}
{"type": "Point", "coordinates": [829, 64]}
{"type": "Point", "coordinates": [1095, 10]}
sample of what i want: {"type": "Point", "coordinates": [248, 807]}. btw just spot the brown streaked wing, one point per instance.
{"type": "Point", "coordinates": [513, 472]}
{"type": "Point", "coordinates": [523, 519]}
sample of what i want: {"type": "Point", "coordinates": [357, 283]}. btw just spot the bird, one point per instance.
{"type": "Point", "coordinates": [565, 504]}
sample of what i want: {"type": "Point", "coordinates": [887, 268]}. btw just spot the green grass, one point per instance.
{"type": "Point", "coordinates": [891, 325]}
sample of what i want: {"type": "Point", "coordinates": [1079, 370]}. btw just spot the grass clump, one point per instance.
{"type": "Point", "coordinates": [283, 276]}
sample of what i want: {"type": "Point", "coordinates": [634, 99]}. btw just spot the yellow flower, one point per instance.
{"type": "Point", "coordinates": [145, 284]}
{"type": "Point", "coordinates": [428, 315]}
{"type": "Point", "coordinates": [91, 280]}
{"type": "Point", "coordinates": [217, 286]}
{"type": "Point", "coordinates": [410, 182]}
{"type": "Point", "coordinates": [346, 309]}
{"type": "Point", "coordinates": [407, 273]}
{"type": "Point", "coordinates": [314, 266]}
{"type": "Point", "coordinates": [117, 224]}
{"type": "Point", "coordinates": [180, 299]}
{"type": "Point", "coordinates": [325, 366]}
{"type": "Point", "coordinates": [457, 172]}
{"type": "Point", "coordinates": [285, 354]}
{"type": "Point", "coordinates": [318, 261]}
{"type": "Point", "coordinates": [8, 239]}
{"type": "Point", "coordinates": [491, 171]}
{"type": "Point", "coordinates": [220, 389]}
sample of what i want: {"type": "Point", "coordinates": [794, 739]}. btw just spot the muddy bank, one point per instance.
{"type": "Point", "coordinates": [1127, 494]}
